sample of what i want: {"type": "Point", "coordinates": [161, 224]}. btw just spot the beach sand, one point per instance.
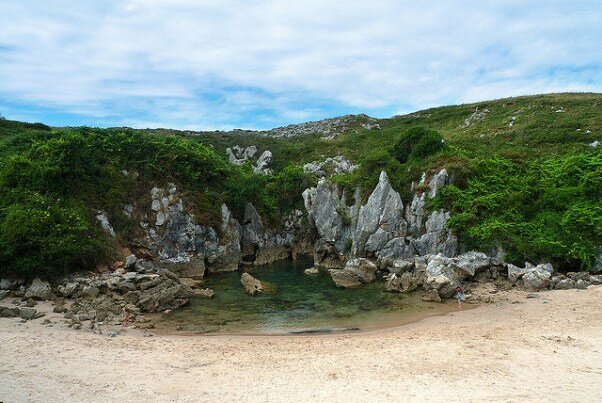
{"type": "Point", "coordinates": [547, 348]}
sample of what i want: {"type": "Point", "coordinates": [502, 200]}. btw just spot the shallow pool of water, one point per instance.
{"type": "Point", "coordinates": [295, 303]}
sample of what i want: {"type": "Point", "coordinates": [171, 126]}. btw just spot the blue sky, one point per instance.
{"type": "Point", "coordinates": [201, 64]}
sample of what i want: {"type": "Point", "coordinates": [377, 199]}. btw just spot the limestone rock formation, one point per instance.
{"type": "Point", "coordinates": [238, 155]}
{"type": "Point", "coordinates": [263, 163]}
{"type": "Point", "coordinates": [383, 213]}
{"type": "Point", "coordinates": [330, 166]}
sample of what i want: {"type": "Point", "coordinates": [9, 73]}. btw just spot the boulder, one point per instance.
{"type": "Point", "coordinates": [39, 290]}
{"type": "Point", "coordinates": [90, 292]}
{"type": "Point", "coordinates": [431, 296]}
{"type": "Point", "coordinates": [6, 312]}
{"type": "Point", "coordinates": [438, 181]}
{"type": "Point", "coordinates": [251, 285]}
{"type": "Point", "coordinates": [472, 262]}
{"type": "Point", "coordinates": [415, 212]}
{"type": "Point", "coordinates": [9, 285]}
{"type": "Point", "coordinates": [330, 166]}
{"type": "Point", "coordinates": [441, 276]}
{"type": "Point", "coordinates": [538, 277]}
{"type": "Point", "coordinates": [410, 281]}
{"type": "Point", "coordinates": [356, 272]}
{"type": "Point", "coordinates": [167, 295]}
{"type": "Point", "coordinates": [326, 255]}
{"type": "Point", "coordinates": [323, 203]}
{"type": "Point", "coordinates": [27, 313]}
{"type": "Point", "coordinates": [532, 278]}
{"type": "Point", "coordinates": [393, 283]}
{"type": "Point", "coordinates": [103, 220]}
{"type": "Point", "coordinates": [399, 266]}
{"type": "Point", "coordinates": [344, 279]}
{"type": "Point", "coordinates": [4, 294]}
{"type": "Point", "coordinates": [130, 263]}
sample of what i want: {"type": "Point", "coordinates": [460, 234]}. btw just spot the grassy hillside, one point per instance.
{"type": "Point", "coordinates": [526, 177]}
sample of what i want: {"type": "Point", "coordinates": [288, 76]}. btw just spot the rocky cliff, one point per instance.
{"type": "Point", "coordinates": [383, 228]}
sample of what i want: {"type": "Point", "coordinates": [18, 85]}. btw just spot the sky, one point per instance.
{"type": "Point", "coordinates": [208, 65]}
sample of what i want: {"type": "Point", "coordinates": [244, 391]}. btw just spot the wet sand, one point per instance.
{"type": "Point", "coordinates": [514, 349]}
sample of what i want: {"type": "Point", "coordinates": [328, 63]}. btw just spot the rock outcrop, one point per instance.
{"type": "Point", "coordinates": [328, 128]}
{"type": "Point", "coordinates": [238, 155]}
{"type": "Point", "coordinates": [330, 166]}
{"type": "Point", "coordinates": [381, 228]}
{"type": "Point", "coordinates": [380, 220]}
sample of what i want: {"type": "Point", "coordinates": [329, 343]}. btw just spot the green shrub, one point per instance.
{"type": "Point", "coordinates": [47, 236]}
{"type": "Point", "coordinates": [542, 209]}
{"type": "Point", "coordinates": [417, 142]}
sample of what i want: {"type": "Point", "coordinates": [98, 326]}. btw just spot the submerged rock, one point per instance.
{"type": "Point", "coordinates": [251, 284]}
{"type": "Point", "coordinates": [204, 293]}
{"type": "Point", "coordinates": [312, 271]}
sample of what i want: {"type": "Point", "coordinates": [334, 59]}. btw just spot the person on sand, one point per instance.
{"type": "Point", "coordinates": [459, 296]}
{"type": "Point", "coordinates": [126, 316]}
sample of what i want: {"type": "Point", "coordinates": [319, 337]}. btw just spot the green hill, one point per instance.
{"type": "Point", "coordinates": [526, 177]}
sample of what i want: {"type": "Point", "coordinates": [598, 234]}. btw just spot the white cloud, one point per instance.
{"type": "Point", "coordinates": [225, 63]}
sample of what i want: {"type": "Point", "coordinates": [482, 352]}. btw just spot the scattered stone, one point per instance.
{"type": "Point", "coordinates": [27, 313]}
{"type": "Point", "coordinates": [6, 312]}
{"type": "Point", "coordinates": [312, 271]}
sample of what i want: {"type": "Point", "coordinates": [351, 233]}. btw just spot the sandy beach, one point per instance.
{"type": "Point", "coordinates": [547, 348]}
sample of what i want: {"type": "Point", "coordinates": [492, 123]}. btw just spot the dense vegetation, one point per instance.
{"type": "Point", "coordinates": [525, 178]}
{"type": "Point", "coordinates": [53, 184]}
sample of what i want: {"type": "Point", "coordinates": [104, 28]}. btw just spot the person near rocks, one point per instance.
{"type": "Point", "coordinates": [459, 296]}
{"type": "Point", "coordinates": [126, 316]}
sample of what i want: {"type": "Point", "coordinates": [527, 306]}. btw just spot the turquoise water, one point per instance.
{"type": "Point", "coordinates": [296, 302]}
